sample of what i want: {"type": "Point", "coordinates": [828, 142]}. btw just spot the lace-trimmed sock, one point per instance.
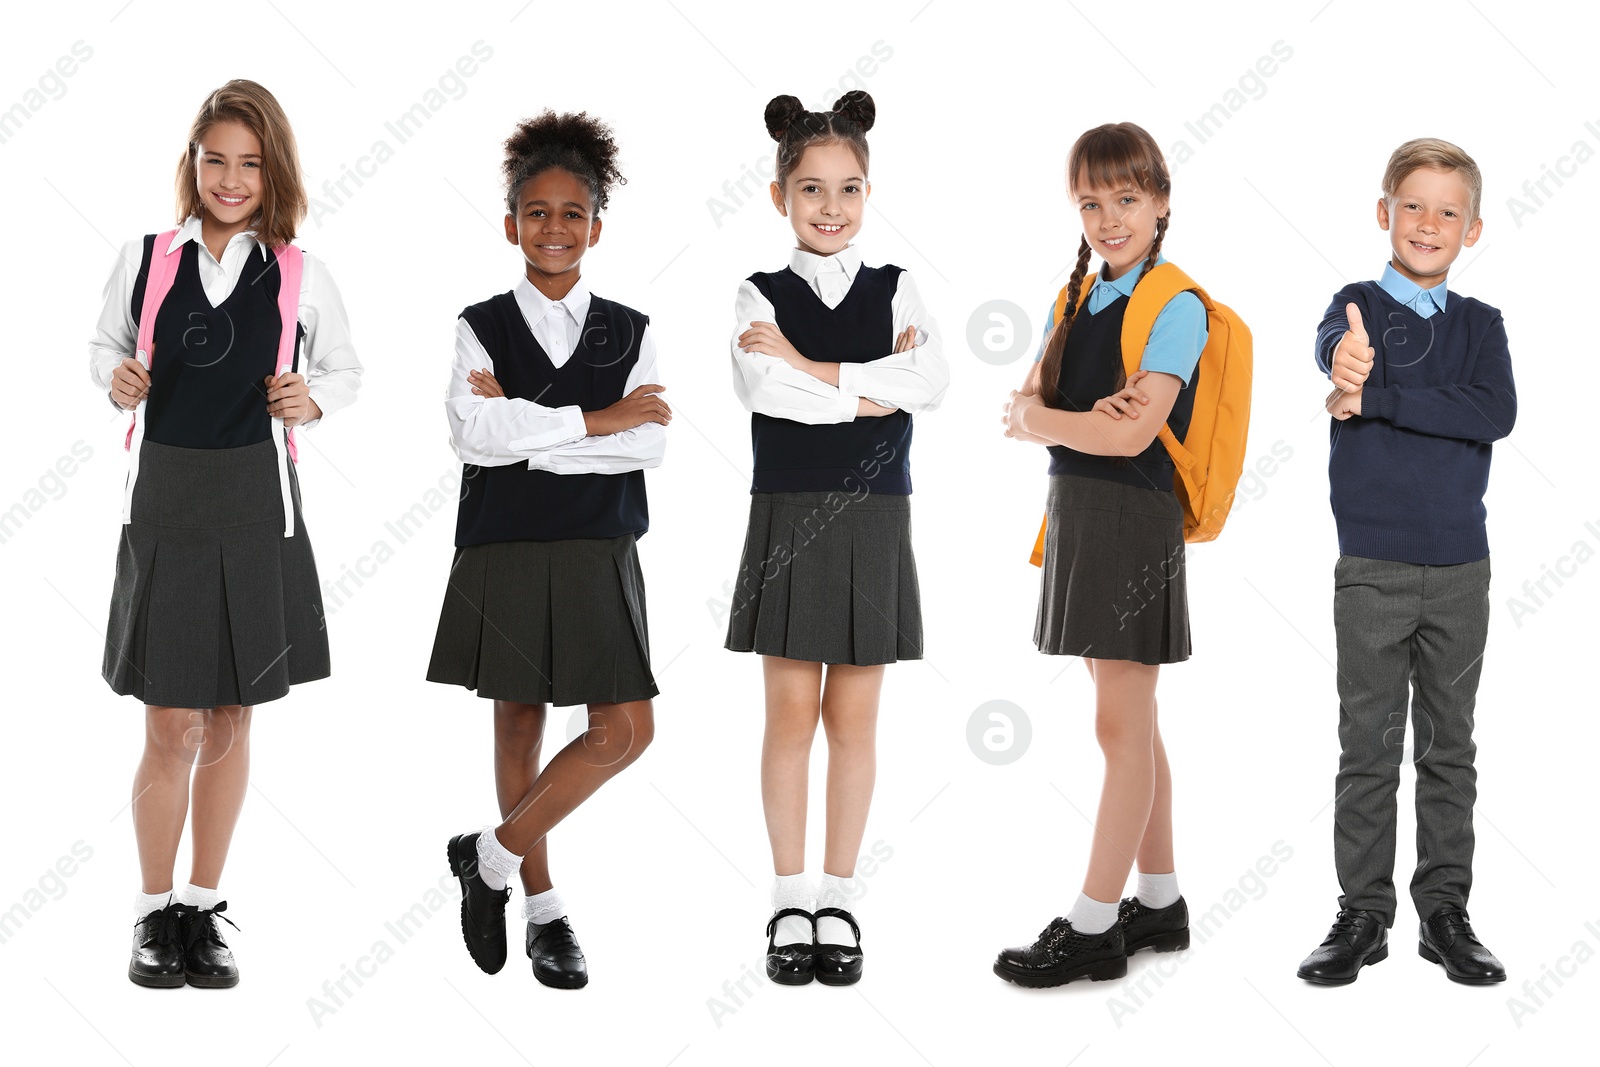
{"type": "Point", "coordinates": [197, 896]}
{"type": "Point", "coordinates": [836, 892]}
{"type": "Point", "coordinates": [145, 903]}
{"type": "Point", "coordinates": [496, 864]}
{"type": "Point", "coordinates": [543, 907]}
{"type": "Point", "coordinates": [792, 891]}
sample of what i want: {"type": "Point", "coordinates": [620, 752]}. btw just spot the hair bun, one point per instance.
{"type": "Point", "coordinates": [781, 113]}
{"type": "Point", "coordinates": [857, 106]}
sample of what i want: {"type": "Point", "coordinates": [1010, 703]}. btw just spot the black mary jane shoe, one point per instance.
{"type": "Point", "coordinates": [1447, 938]}
{"type": "Point", "coordinates": [207, 960]}
{"type": "Point", "coordinates": [1357, 939]}
{"type": "Point", "coordinates": [557, 960]}
{"type": "Point", "coordinates": [483, 910]}
{"type": "Point", "coordinates": [793, 964]}
{"type": "Point", "coordinates": [157, 959]}
{"type": "Point", "coordinates": [1062, 954]}
{"type": "Point", "coordinates": [839, 964]}
{"type": "Point", "coordinates": [1163, 929]}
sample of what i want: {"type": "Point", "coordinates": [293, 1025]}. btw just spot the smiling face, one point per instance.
{"type": "Point", "coordinates": [554, 225]}
{"type": "Point", "coordinates": [227, 175]}
{"type": "Point", "coordinates": [824, 197]}
{"type": "Point", "coordinates": [1120, 223]}
{"type": "Point", "coordinates": [1427, 224]}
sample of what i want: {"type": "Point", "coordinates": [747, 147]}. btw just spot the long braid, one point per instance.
{"type": "Point", "coordinates": [1055, 348]}
{"type": "Point", "coordinates": [1149, 261]}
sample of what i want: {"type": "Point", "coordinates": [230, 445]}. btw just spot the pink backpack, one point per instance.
{"type": "Point", "coordinates": [158, 282]}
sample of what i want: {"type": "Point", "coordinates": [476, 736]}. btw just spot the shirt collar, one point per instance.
{"type": "Point", "coordinates": [190, 231]}
{"type": "Point", "coordinates": [1122, 286]}
{"type": "Point", "coordinates": [535, 305]}
{"type": "Point", "coordinates": [1407, 291]}
{"type": "Point", "coordinates": [808, 264]}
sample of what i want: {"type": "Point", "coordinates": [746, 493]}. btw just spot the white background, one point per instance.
{"type": "Point", "coordinates": [358, 780]}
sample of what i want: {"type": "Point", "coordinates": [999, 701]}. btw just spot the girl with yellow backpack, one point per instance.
{"type": "Point", "coordinates": [1141, 396]}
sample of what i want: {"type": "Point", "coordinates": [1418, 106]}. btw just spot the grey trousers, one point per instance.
{"type": "Point", "coordinates": [1418, 631]}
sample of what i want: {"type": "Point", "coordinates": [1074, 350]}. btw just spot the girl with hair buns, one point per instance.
{"type": "Point", "coordinates": [832, 358]}
{"type": "Point", "coordinates": [1113, 587]}
{"type": "Point", "coordinates": [221, 337]}
{"type": "Point", "coordinates": [555, 410]}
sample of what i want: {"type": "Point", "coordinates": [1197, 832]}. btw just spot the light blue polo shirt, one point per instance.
{"type": "Point", "coordinates": [1424, 302]}
{"type": "Point", "coordinates": [1179, 334]}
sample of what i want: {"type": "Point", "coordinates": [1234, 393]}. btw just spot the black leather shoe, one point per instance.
{"type": "Point", "coordinates": [483, 910]}
{"type": "Point", "coordinates": [207, 961]}
{"type": "Point", "coordinates": [1447, 938]}
{"type": "Point", "coordinates": [157, 952]}
{"type": "Point", "coordinates": [839, 964]}
{"type": "Point", "coordinates": [1357, 939]}
{"type": "Point", "coordinates": [1062, 954]}
{"type": "Point", "coordinates": [1163, 929]}
{"type": "Point", "coordinates": [794, 964]}
{"type": "Point", "coordinates": [557, 960]}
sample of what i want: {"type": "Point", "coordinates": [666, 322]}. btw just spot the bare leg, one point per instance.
{"type": "Point", "coordinates": [1125, 727]}
{"type": "Point", "coordinates": [617, 735]}
{"type": "Point", "coordinates": [794, 704]}
{"type": "Point", "coordinates": [221, 776]}
{"type": "Point", "coordinates": [161, 794]}
{"type": "Point", "coordinates": [518, 737]}
{"type": "Point", "coordinates": [850, 719]}
{"type": "Point", "coordinates": [1155, 848]}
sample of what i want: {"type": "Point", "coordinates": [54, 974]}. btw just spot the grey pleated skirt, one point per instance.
{"type": "Point", "coordinates": [212, 605]}
{"type": "Point", "coordinates": [546, 622]}
{"type": "Point", "coordinates": [829, 578]}
{"type": "Point", "coordinates": [1114, 582]}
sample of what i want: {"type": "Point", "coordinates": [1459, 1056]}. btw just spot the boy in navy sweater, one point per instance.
{"type": "Point", "coordinates": [1422, 388]}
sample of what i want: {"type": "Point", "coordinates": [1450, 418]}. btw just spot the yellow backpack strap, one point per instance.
{"type": "Point", "coordinates": [1164, 281]}
{"type": "Point", "coordinates": [1083, 294]}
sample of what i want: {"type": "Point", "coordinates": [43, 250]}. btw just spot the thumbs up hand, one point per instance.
{"type": "Point", "coordinates": [1352, 360]}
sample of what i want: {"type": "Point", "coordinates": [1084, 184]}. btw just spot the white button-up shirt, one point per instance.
{"type": "Point", "coordinates": [914, 380]}
{"type": "Point", "coordinates": [495, 431]}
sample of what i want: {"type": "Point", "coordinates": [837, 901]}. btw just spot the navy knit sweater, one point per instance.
{"type": "Point", "coordinates": [1407, 475]}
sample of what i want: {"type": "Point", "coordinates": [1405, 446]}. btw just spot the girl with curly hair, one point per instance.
{"type": "Point", "coordinates": [555, 409]}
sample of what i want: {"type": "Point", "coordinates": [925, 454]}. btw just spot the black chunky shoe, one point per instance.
{"type": "Point", "coordinates": [1062, 954]}
{"type": "Point", "coordinates": [207, 960]}
{"type": "Point", "coordinates": [1447, 938]}
{"type": "Point", "coordinates": [794, 964]}
{"type": "Point", "coordinates": [839, 964]}
{"type": "Point", "coordinates": [1163, 929]}
{"type": "Point", "coordinates": [483, 910]}
{"type": "Point", "coordinates": [157, 959]}
{"type": "Point", "coordinates": [557, 960]}
{"type": "Point", "coordinates": [1356, 940]}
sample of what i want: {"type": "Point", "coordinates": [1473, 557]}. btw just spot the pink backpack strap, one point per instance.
{"type": "Point", "coordinates": [291, 264]}
{"type": "Point", "coordinates": [158, 283]}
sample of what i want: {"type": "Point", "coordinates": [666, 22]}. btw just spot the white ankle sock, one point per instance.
{"type": "Point", "coordinates": [835, 892]}
{"type": "Point", "coordinates": [543, 907]}
{"type": "Point", "coordinates": [197, 896]}
{"type": "Point", "coordinates": [145, 903]}
{"type": "Point", "coordinates": [1091, 916]}
{"type": "Point", "coordinates": [495, 864]}
{"type": "Point", "coordinates": [792, 891]}
{"type": "Point", "coordinates": [1157, 890]}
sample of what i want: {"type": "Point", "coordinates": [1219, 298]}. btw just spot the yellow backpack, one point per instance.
{"type": "Point", "coordinates": [1210, 458]}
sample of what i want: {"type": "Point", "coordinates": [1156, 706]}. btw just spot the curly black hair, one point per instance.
{"type": "Point", "coordinates": [796, 129]}
{"type": "Point", "coordinates": [575, 143]}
